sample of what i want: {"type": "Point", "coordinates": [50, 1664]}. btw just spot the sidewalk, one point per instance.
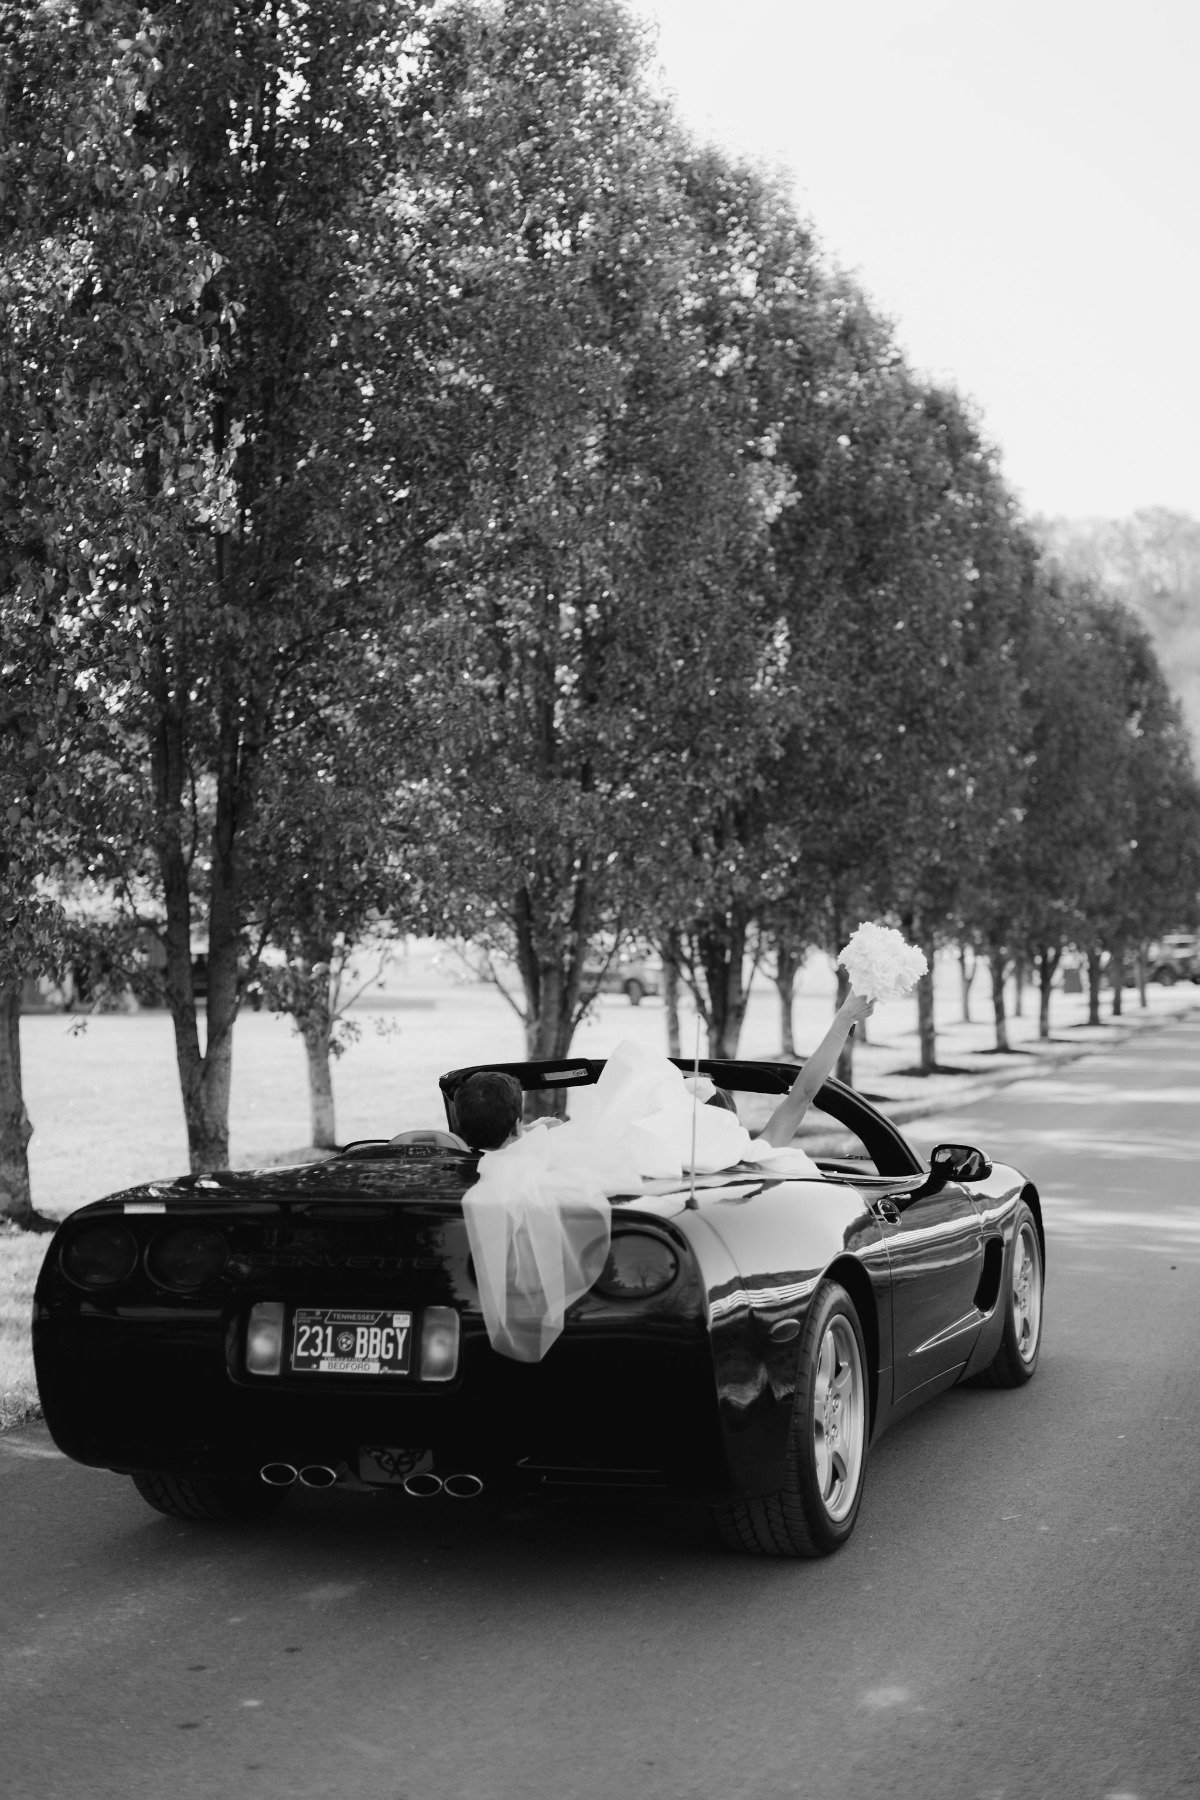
{"type": "Point", "coordinates": [882, 1070]}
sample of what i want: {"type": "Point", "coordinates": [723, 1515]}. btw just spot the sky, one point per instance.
{"type": "Point", "coordinates": [1015, 185]}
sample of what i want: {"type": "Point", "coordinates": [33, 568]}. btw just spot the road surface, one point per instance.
{"type": "Point", "coordinates": [1017, 1616]}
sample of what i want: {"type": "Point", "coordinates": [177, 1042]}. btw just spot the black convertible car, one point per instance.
{"type": "Point", "coordinates": [221, 1337]}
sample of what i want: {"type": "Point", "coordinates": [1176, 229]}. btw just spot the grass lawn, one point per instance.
{"type": "Point", "coordinates": [20, 1259]}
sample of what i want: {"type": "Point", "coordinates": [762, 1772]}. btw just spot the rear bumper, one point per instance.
{"type": "Point", "coordinates": [601, 1411]}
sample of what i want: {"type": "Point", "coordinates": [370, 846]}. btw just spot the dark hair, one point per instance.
{"type": "Point", "coordinates": [486, 1108]}
{"type": "Point", "coordinates": [722, 1097]}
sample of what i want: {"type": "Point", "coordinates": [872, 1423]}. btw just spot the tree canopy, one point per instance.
{"type": "Point", "coordinates": [437, 494]}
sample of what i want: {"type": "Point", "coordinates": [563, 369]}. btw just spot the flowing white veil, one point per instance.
{"type": "Point", "coordinates": [539, 1220]}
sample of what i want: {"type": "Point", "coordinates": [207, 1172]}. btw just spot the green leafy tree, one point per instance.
{"type": "Point", "coordinates": [187, 195]}
{"type": "Point", "coordinates": [335, 871]}
{"type": "Point", "coordinates": [1153, 880]}
{"type": "Point", "coordinates": [1151, 562]}
{"type": "Point", "coordinates": [594, 631]}
{"type": "Point", "coordinates": [906, 576]}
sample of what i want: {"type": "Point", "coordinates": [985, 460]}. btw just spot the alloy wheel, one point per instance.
{"type": "Point", "coordinates": [839, 1418]}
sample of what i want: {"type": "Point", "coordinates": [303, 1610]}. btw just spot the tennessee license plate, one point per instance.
{"type": "Point", "coordinates": [326, 1341]}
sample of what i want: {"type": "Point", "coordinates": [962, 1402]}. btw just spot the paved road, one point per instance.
{"type": "Point", "coordinates": [1016, 1617]}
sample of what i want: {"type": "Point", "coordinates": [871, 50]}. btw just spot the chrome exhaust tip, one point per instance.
{"type": "Point", "coordinates": [462, 1487]}
{"type": "Point", "coordinates": [318, 1475]}
{"type": "Point", "coordinates": [277, 1474]}
{"type": "Point", "coordinates": [423, 1485]}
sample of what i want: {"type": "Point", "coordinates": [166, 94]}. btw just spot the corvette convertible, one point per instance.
{"type": "Point", "coordinates": [221, 1337]}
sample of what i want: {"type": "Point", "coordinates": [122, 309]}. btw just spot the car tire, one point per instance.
{"type": "Point", "coordinates": [1016, 1360]}
{"type": "Point", "coordinates": [1165, 977]}
{"type": "Point", "coordinates": [189, 1497]}
{"type": "Point", "coordinates": [814, 1511]}
{"type": "Point", "coordinates": [635, 990]}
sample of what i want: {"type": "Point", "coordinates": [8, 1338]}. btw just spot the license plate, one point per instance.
{"type": "Point", "coordinates": [345, 1342]}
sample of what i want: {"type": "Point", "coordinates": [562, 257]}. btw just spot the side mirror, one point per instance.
{"type": "Point", "coordinates": [956, 1162]}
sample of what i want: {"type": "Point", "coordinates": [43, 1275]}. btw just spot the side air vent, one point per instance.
{"type": "Point", "coordinates": [989, 1282]}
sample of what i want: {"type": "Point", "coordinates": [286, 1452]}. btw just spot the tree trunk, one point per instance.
{"type": "Point", "coordinates": [926, 1031]}
{"type": "Point", "coordinates": [551, 969]}
{"type": "Point", "coordinates": [722, 955]}
{"type": "Point", "coordinates": [16, 1199]}
{"type": "Point", "coordinates": [998, 964]}
{"type": "Point", "coordinates": [1116, 970]}
{"type": "Point", "coordinates": [926, 1035]}
{"type": "Point", "coordinates": [320, 1082]}
{"type": "Point", "coordinates": [787, 964]}
{"type": "Point", "coordinates": [205, 1079]}
{"type": "Point", "coordinates": [967, 976]}
{"type": "Point", "coordinates": [548, 1035]}
{"type": "Point", "coordinates": [1095, 975]}
{"type": "Point", "coordinates": [1018, 986]}
{"type": "Point", "coordinates": [670, 963]}
{"type": "Point", "coordinates": [1140, 967]}
{"type": "Point", "coordinates": [845, 1062]}
{"type": "Point", "coordinates": [1046, 959]}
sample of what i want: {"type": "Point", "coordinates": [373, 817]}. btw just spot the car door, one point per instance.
{"type": "Point", "coordinates": [935, 1249]}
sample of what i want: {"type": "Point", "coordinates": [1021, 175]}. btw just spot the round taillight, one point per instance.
{"type": "Point", "coordinates": [638, 1264]}
{"type": "Point", "coordinates": [187, 1258]}
{"type": "Point", "coordinates": [99, 1256]}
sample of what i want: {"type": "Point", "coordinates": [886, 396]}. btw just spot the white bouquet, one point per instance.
{"type": "Point", "coordinates": [881, 966]}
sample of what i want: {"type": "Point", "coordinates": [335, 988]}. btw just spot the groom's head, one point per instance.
{"type": "Point", "coordinates": [487, 1109]}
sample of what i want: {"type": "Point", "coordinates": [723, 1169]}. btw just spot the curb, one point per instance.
{"type": "Point", "coordinates": [987, 1085]}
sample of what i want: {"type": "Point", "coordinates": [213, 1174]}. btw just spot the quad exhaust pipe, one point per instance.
{"type": "Point", "coordinates": [421, 1486]}
{"type": "Point", "coordinates": [313, 1475]}
{"type": "Point", "coordinates": [318, 1475]}
{"type": "Point", "coordinates": [462, 1487]}
{"type": "Point", "coordinates": [278, 1474]}
{"type": "Point", "coordinates": [457, 1487]}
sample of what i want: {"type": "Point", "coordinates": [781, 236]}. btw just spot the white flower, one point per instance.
{"type": "Point", "coordinates": [881, 966]}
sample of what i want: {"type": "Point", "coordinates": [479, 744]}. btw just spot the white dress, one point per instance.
{"type": "Point", "coordinates": [539, 1220]}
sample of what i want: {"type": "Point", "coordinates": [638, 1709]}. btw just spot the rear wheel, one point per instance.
{"type": "Point", "coordinates": [1016, 1360]}
{"type": "Point", "coordinates": [187, 1497]}
{"type": "Point", "coordinates": [814, 1511]}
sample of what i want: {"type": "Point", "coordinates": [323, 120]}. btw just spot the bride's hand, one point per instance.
{"type": "Point", "coordinates": [855, 1008]}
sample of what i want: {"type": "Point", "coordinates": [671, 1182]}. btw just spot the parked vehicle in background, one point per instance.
{"type": "Point", "coordinates": [634, 977]}
{"type": "Point", "coordinates": [1173, 958]}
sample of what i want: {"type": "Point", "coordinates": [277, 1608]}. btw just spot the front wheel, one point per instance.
{"type": "Point", "coordinates": [1016, 1360]}
{"type": "Point", "coordinates": [188, 1497]}
{"type": "Point", "coordinates": [814, 1511]}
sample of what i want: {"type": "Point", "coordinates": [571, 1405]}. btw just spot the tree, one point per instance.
{"type": "Point", "coordinates": [1066, 831]}
{"type": "Point", "coordinates": [32, 782]}
{"type": "Point", "coordinates": [186, 193]}
{"type": "Point", "coordinates": [1151, 562]}
{"type": "Point", "coordinates": [907, 577]}
{"type": "Point", "coordinates": [1155, 870]}
{"type": "Point", "coordinates": [334, 872]}
{"type": "Point", "coordinates": [593, 635]}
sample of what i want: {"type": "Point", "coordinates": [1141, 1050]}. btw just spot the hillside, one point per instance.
{"type": "Point", "coordinates": [1152, 560]}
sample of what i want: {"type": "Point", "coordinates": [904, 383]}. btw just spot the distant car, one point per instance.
{"type": "Point", "coordinates": [1174, 958]}
{"type": "Point", "coordinates": [634, 978]}
{"type": "Point", "coordinates": [221, 1337]}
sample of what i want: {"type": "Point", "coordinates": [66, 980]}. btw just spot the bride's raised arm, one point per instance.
{"type": "Point", "coordinates": [784, 1122]}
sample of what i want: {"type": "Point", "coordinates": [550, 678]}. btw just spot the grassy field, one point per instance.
{"type": "Point", "coordinates": [20, 1259]}
{"type": "Point", "coordinates": [106, 1111]}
